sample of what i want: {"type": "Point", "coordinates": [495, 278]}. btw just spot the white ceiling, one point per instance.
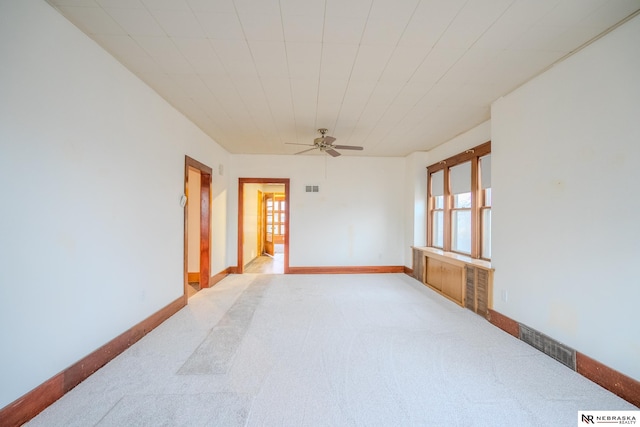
{"type": "Point", "coordinates": [395, 76]}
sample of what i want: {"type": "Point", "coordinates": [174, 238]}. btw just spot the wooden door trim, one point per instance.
{"type": "Point", "coordinates": [287, 195]}
{"type": "Point", "coordinates": [259, 224]}
{"type": "Point", "coordinates": [205, 222]}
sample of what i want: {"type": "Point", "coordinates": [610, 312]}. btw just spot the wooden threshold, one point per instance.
{"type": "Point", "coordinates": [31, 404]}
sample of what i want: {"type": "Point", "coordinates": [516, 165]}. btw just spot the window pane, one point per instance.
{"type": "Point", "coordinates": [487, 197]}
{"type": "Point", "coordinates": [485, 171]}
{"type": "Point", "coordinates": [462, 200]}
{"type": "Point", "coordinates": [460, 178]}
{"type": "Point", "coordinates": [461, 231]}
{"type": "Point", "coordinates": [486, 234]}
{"type": "Point", "coordinates": [437, 183]}
{"type": "Point", "coordinates": [439, 202]}
{"type": "Point", "coordinates": [438, 229]}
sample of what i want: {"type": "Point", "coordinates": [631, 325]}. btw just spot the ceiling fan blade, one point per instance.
{"type": "Point", "coordinates": [332, 152]}
{"type": "Point", "coordinates": [329, 140]}
{"type": "Point", "coordinates": [304, 151]}
{"type": "Point", "coordinates": [348, 147]}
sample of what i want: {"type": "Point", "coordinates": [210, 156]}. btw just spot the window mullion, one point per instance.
{"type": "Point", "coordinates": [475, 209]}
{"type": "Point", "coordinates": [430, 210]}
{"type": "Point", "coordinates": [447, 211]}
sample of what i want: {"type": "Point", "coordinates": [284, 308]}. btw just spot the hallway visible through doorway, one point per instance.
{"type": "Point", "coordinates": [263, 225]}
{"type": "Point", "coordinates": [266, 264]}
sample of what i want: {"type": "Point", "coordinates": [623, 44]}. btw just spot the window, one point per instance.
{"type": "Point", "coordinates": [460, 189]}
{"type": "Point", "coordinates": [485, 206]}
{"type": "Point", "coordinates": [437, 212]}
{"type": "Point", "coordinates": [459, 203]}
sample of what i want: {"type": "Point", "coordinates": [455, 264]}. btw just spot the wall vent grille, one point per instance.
{"type": "Point", "coordinates": [476, 296]}
{"type": "Point", "coordinates": [418, 266]}
{"type": "Point", "coordinates": [482, 289]}
{"type": "Point", "coordinates": [549, 346]}
{"type": "Point", "coordinates": [470, 288]}
{"type": "Point", "coordinates": [311, 189]}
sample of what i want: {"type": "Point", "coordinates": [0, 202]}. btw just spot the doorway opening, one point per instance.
{"type": "Point", "coordinates": [263, 225]}
{"type": "Point", "coordinates": [197, 226]}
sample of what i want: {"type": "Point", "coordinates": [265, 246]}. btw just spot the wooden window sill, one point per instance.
{"type": "Point", "coordinates": [452, 257]}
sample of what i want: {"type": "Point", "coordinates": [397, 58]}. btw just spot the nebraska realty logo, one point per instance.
{"type": "Point", "coordinates": [608, 417]}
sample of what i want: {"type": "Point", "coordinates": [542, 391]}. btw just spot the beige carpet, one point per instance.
{"type": "Point", "coordinates": [328, 350]}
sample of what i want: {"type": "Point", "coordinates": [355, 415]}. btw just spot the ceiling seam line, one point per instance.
{"type": "Point", "coordinates": [351, 73]}
{"type": "Point", "coordinates": [448, 69]}
{"type": "Point", "coordinates": [255, 67]}
{"type": "Point", "coordinates": [385, 68]}
{"type": "Point", "coordinates": [315, 120]}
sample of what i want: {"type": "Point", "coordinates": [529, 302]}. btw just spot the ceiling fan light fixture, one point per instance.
{"type": "Point", "coordinates": [324, 143]}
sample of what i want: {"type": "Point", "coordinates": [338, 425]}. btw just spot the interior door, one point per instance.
{"type": "Point", "coordinates": [269, 206]}
{"type": "Point", "coordinates": [278, 218]}
{"type": "Point", "coordinates": [261, 225]}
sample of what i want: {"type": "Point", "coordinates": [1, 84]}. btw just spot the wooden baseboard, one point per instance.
{"type": "Point", "coordinates": [218, 277]}
{"type": "Point", "coordinates": [193, 277]}
{"type": "Point", "coordinates": [617, 383]}
{"type": "Point", "coordinates": [408, 271]}
{"type": "Point", "coordinates": [347, 270]}
{"type": "Point", "coordinates": [505, 323]}
{"type": "Point", "coordinates": [31, 404]}
{"type": "Point", "coordinates": [614, 381]}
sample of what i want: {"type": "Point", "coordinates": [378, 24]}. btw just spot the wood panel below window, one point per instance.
{"type": "Point", "coordinates": [466, 281]}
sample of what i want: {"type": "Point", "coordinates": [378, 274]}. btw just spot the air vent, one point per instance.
{"type": "Point", "coordinates": [549, 346]}
{"type": "Point", "coordinates": [311, 189]}
{"type": "Point", "coordinates": [482, 290]}
{"type": "Point", "coordinates": [470, 284]}
{"type": "Point", "coordinates": [477, 290]}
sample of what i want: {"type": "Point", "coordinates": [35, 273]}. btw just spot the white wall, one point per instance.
{"type": "Point", "coordinates": [357, 218]}
{"type": "Point", "coordinates": [415, 215]}
{"type": "Point", "coordinates": [565, 174]}
{"type": "Point", "coordinates": [91, 174]}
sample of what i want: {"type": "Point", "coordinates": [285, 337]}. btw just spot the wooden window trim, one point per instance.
{"type": "Point", "coordinates": [477, 202]}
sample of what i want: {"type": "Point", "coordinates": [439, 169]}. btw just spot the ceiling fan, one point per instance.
{"type": "Point", "coordinates": [324, 143]}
